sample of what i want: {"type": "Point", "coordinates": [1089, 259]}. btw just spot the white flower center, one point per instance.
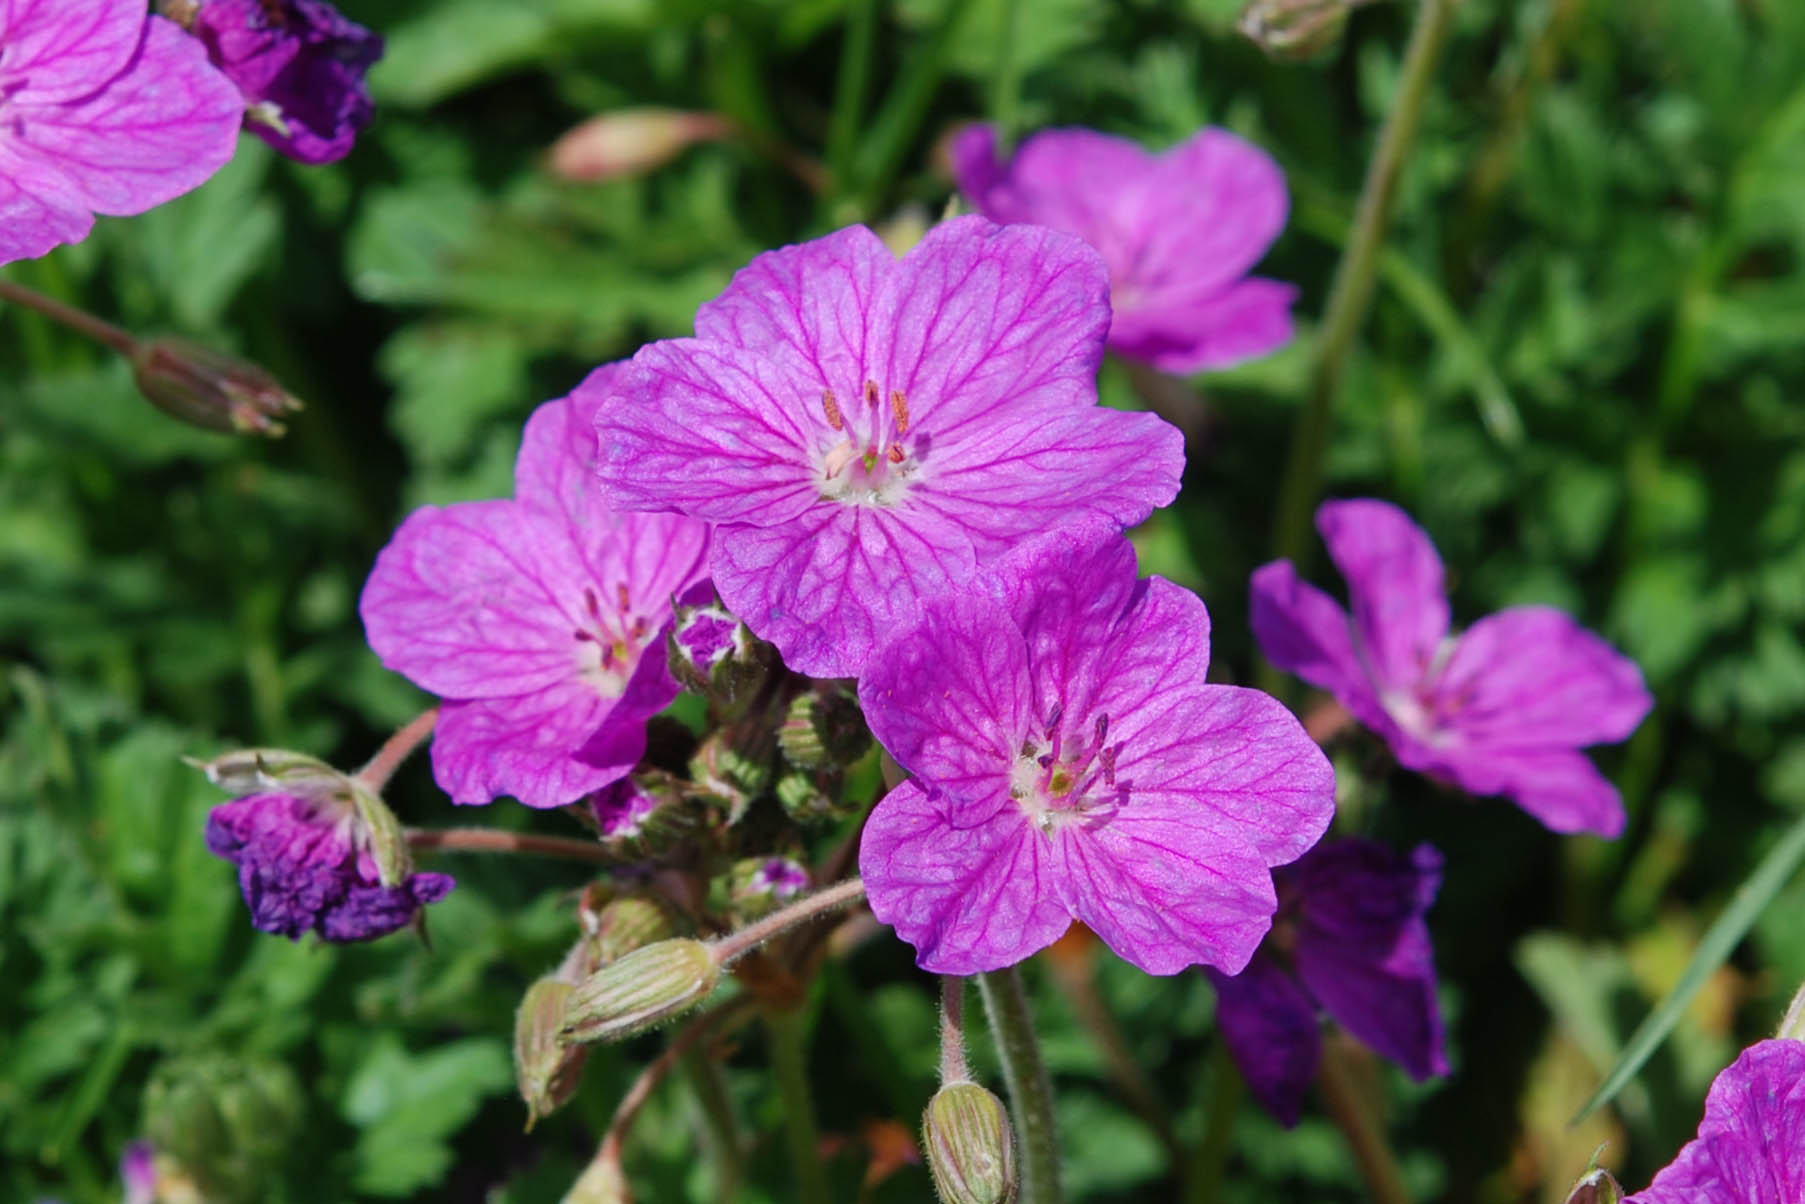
{"type": "Point", "coordinates": [1062, 780]}
{"type": "Point", "coordinates": [872, 466]}
{"type": "Point", "coordinates": [608, 646]}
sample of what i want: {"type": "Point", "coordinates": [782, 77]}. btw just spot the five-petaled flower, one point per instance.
{"type": "Point", "coordinates": [1179, 231]}
{"type": "Point", "coordinates": [305, 864]}
{"type": "Point", "coordinates": [868, 433]}
{"type": "Point", "coordinates": [1750, 1147]}
{"type": "Point", "coordinates": [300, 65]}
{"type": "Point", "coordinates": [1503, 709]}
{"type": "Point", "coordinates": [541, 621]}
{"type": "Point", "coordinates": [1071, 760]}
{"type": "Point", "coordinates": [102, 110]}
{"type": "Point", "coordinates": [1351, 938]}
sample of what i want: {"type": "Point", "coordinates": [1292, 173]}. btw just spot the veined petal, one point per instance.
{"type": "Point", "coordinates": [1244, 320]}
{"type": "Point", "coordinates": [39, 209]}
{"type": "Point", "coordinates": [1559, 786]}
{"type": "Point", "coordinates": [546, 749]}
{"type": "Point", "coordinates": [1271, 1029]}
{"type": "Point", "coordinates": [1071, 179]}
{"type": "Point", "coordinates": [1750, 1147]}
{"type": "Point", "coordinates": [1531, 677]}
{"type": "Point", "coordinates": [950, 699]}
{"type": "Point", "coordinates": [1215, 202]}
{"type": "Point", "coordinates": [1302, 630]}
{"type": "Point", "coordinates": [830, 586]}
{"type": "Point", "coordinates": [161, 127]}
{"type": "Point", "coordinates": [64, 51]}
{"type": "Point", "coordinates": [970, 898]}
{"type": "Point", "coordinates": [1394, 579]}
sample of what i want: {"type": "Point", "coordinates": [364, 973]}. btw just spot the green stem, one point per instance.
{"type": "Point", "coordinates": [1350, 293]}
{"type": "Point", "coordinates": [897, 123]}
{"type": "Point", "coordinates": [1359, 1122]}
{"type": "Point", "coordinates": [1006, 83]}
{"type": "Point", "coordinates": [709, 1086]}
{"type": "Point", "coordinates": [1203, 1180]}
{"type": "Point", "coordinates": [789, 1061]}
{"type": "Point", "coordinates": [1030, 1091]}
{"type": "Point", "coordinates": [850, 91]}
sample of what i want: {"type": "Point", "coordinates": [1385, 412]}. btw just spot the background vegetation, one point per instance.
{"type": "Point", "coordinates": [1582, 374]}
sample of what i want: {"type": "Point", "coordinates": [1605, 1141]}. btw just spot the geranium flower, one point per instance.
{"type": "Point", "coordinates": [1071, 761]}
{"type": "Point", "coordinates": [1351, 940]}
{"type": "Point", "coordinates": [300, 65]}
{"type": "Point", "coordinates": [1179, 231]}
{"type": "Point", "coordinates": [868, 433]}
{"type": "Point", "coordinates": [540, 621]}
{"type": "Point", "coordinates": [305, 865]}
{"type": "Point", "coordinates": [102, 110]}
{"type": "Point", "coordinates": [1503, 709]}
{"type": "Point", "coordinates": [1750, 1147]}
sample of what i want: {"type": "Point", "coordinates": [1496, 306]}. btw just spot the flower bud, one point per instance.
{"type": "Point", "coordinates": [1295, 29]}
{"type": "Point", "coordinates": [545, 1069]}
{"type": "Point", "coordinates": [757, 886]}
{"type": "Point", "coordinates": [970, 1146]}
{"type": "Point", "coordinates": [823, 729]}
{"type": "Point", "coordinates": [257, 770]}
{"type": "Point", "coordinates": [732, 767]}
{"type": "Point", "coordinates": [209, 389]}
{"type": "Point", "coordinates": [602, 1182]}
{"type": "Point", "coordinates": [631, 922]}
{"type": "Point", "coordinates": [1596, 1188]}
{"type": "Point", "coordinates": [715, 655]}
{"type": "Point", "coordinates": [644, 815]}
{"type": "Point", "coordinates": [628, 142]}
{"type": "Point", "coordinates": [802, 798]}
{"type": "Point", "coordinates": [640, 991]}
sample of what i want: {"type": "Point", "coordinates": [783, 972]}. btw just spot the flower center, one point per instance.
{"type": "Point", "coordinates": [1063, 778]}
{"type": "Point", "coordinates": [869, 465]}
{"type": "Point", "coordinates": [608, 645]}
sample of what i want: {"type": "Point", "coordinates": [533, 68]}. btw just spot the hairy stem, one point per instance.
{"type": "Point", "coordinates": [627, 1111]}
{"type": "Point", "coordinates": [396, 749]}
{"type": "Point", "coordinates": [789, 1060]}
{"type": "Point", "coordinates": [953, 1066]}
{"type": "Point", "coordinates": [79, 320]}
{"type": "Point", "coordinates": [808, 908]}
{"type": "Point", "coordinates": [1030, 1091]}
{"type": "Point", "coordinates": [1355, 1116]}
{"type": "Point", "coordinates": [493, 840]}
{"type": "Point", "coordinates": [1351, 291]}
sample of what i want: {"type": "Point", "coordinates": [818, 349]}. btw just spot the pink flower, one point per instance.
{"type": "Point", "coordinates": [540, 621]}
{"type": "Point", "coordinates": [102, 110]}
{"type": "Point", "coordinates": [1503, 709]}
{"type": "Point", "coordinates": [1750, 1147]}
{"type": "Point", "coordinates": [1071, 761]}
{"type": "Point", "coordinates": [1179, 231]}
{"type": "Point", "coordinates": [867, 433]}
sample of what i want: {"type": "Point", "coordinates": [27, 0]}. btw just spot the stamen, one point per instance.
{"type": "Point", "coordinates": [1102, 728]}
{"type": "Point", "coordinates": [833, 410]}
{"type": "Point", "coordinates": [591, 605]}
{"type": "Point", "coordinates": [871, 393]}
{"type": "Point", "coordinates": [626, 603]}
{"type": "Point", "coordinates": [1053, 719]}
{"type": "Point", "coordinates": [900, 405]}
{"type": "Point", "coordinates": [1108, 759]}
{"type": "Point", "coordinates": [896, 453]}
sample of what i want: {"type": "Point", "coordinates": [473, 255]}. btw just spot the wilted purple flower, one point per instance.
{"type": "Point", "coordinates": [1350, 938]}
{"type": "Point", "coordinates": [540, 621]}
{"type": "Point", "coordinates": [102, 110]}
{"type": "Point", "coordinates": [1071, 760]}
{"type": "Point", "coordinates": [1750, 1147]}
{"type": "Point", "coordinates": [1503, 709]}
{"type": "Point", "coordinates": [300, 65]}
{"type": "Point", "coordinates": [868, 432]}
{"type": "Point", "coordinates": [305, 866]}
{"type": "Point", "coordinates": [1179, 231]}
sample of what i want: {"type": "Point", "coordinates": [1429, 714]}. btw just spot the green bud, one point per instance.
{"type": "Point", "coordinates": [1295, 29]}
{"type": "Point", "coordinates": [803, 799]}
{"type": "Point", "coordinates": [209, 389]}
{"type": "Point", "coordinates": [823, 729]}
{"type": "Point", "coordinates": [601, 1182]}
{"type": "Point", "coordinates": [732, 768]}
{"type": "Point", "coordinates": [272, 770]}
{"type": "Point", "coordinates": [545, 1069]}
{"type": "Point", "coordinates": [226, 1122]}
{"type": "Point", "coordinates": [631, 922]}
{"type": "Point", "coordinates": [970, 1146]}
{"type": "Point", "coordinates": [640, 991]}
{"type": "Point", "coordinates": [1596, 1188]}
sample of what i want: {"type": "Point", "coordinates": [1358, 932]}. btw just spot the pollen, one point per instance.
{"type": "Point", "coordinates": [899, 404]}
{"type": "Point", "coordinates": [833, 410]}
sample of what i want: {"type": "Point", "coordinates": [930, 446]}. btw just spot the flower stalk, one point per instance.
{"type": "Point", "coordinates": [396, 749]}
{"type": "Point", "coordinates": [1354, 1115]}
{"type": "Point", "coordinates": [803, 911]}
{"type": "Point", "coordinates": [493, 840]}
{"type": "Point", "coordinates": [788, 1033]}
{"type": "Point", "coordinates": [1030, 1091]}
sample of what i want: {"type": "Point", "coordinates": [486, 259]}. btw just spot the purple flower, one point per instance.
{"type": "Point", "coordinates": [1503, 709]}
{"type": "Point", "coordinates": [621, 808]}
{"type": "Point", "coordinates": [1351, 929]}
{"type": "Point", "coordinates": [1179, 231]}
{"type": "Point", "coordinates": [102, 110]}
{"type": "Point", "coordinates": [300, 66]}
{"type": "Point", "coordinates": [779, 877]}
{"type": "Point", "coordinates": [1071, 760]}
{"type": "Point", "coordinates": [1750, 1147]}
{"type": "Point", "coordinates": [869, 433]}
{"type": "Point", "coordinates": [305, 865]}
{"type": "Point", "coordinates": [138, 1172]}
{"type": "Point", "coordinates": [540, 621]}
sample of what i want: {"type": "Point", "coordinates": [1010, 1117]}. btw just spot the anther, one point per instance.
{"type": "Point", "coordinates": [871, 393]}
{"type": "Point", "coordinates": [1108, 759]}
{"type": "Point", "coordinates": [896, 453]}
{"type": "Point", "coordinates": [626, 603]}
{"type": "Point", "coordinates": [900, 405]}
{"type": "Point", "coordinates": [833, 410]}
{"type": "Point", "coordinates": [1053, 719]}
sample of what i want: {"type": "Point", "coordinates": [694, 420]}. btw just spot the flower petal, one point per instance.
{"type": "Point", "coordinates": [1531, 677]}
{"type": "Point", "coordinates": [1561, 787]}
{"type": "Point", "coordinates": [1246, 319]}
{"type": "Point", "coordinates": [969, 898]}
{"type": "Point", "coordinates": [950, 699]}
{"type": "Point", "coordinates": [1302, 630]}
{"type": "Point", "coordinates": [1271, 1030]}
{"type": "Point", "coordinates": [65, 51]}
{"type": "Point", "coordinates": [1213, 205]}
{"type": "Point", "coordinates": [1164, 891]}
{"type": "Point", "coordinates": [1395, 583]}
{"type": "Point", "coordinates": [39, 209]}
{"type": "Point", "coordinates": [546, 749]}
{"type": "Point", "coordinates": [1072, 179]}
{"type": "Point", "coordinates": [830, 586]}
{"type": "Point", "coordinates": [155, 131]}
{"type": "Point", "coordinates": [1751, 1143]}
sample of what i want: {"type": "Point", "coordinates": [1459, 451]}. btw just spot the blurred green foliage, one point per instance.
{"type": "Point", "coordinates": [1582, 374]}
